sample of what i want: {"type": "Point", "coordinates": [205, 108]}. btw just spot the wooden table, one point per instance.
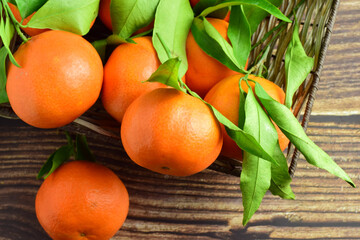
{"type": "Point", "coordinates": [208, 205]}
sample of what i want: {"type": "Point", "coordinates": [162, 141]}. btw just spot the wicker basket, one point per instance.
{"type": "Point", "coordinates": [317, 19]}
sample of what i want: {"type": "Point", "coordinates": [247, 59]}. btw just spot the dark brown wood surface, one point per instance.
{"type": "Point", "coordinates": [208, 205]}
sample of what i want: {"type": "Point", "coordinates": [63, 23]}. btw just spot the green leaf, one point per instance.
{"type": "Point", "coordinates": [3, 95]}
{"type": "Point", "coordinates": [117, 40]}
{"type": "Point", "coordinates": [280, 177]}
{"type": "Point", "coordinates": [292, 129]}
{"type": "Point", "coordinates": [127, 16]}
{"type": "Point", "coordinates": [7, 31]}
{"type": "Point", "coordinates": [255, 176]}
{"type": "Point", "coordinates": [100, 46]}
{"type": "Point", "coordinates": [297, 66]}
{"type": "Point", "coordinates": [283, 190]}
{"type": "Point", "coordinates": [203, 4]}
{"type": "Point", "coordinates": [239, 35]}
{"type": "Point", "coordinates": [66, 15]}
{"type": "Point", "coordinates": [61, 155]}
{"type": "Point", "coordinates": [27, 7]}
{"type": "Point", "coordinates": [173, 21]}
{"type": "Point", "coordinates": [255, 14]}
{"type": "Point", "coordinates": [168, 74]}
{"type": "Point", "coordinates": [242, 97]}
{"type": "Point", "coordinates": [212, 43]}
{"type": "Point", "coordinates": [55, 160]}
{"type": "Point", "coordinates": [83, 151]}
{"type": "Point", "coordinates": [146, 33]}
{"type": "Point", "coordinates": [69, 139]}
{"type": "Point", "coordinates": [262, 4]}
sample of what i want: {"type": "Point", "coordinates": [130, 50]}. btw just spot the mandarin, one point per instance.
{"type": "Point", "coordinates": [170, 132]}
{"type": "Point", "coordinates": [59, 79]}
{"type": "Point", "coordinates": [225, 96]}
{"type": "Point", "coordinates": [126, 69]}
{"type": "Point", "coordinates": [82, 200]}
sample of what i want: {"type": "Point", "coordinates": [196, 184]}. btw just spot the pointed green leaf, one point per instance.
{"type": "Point", "coordinates": [7, 31]}
{"type": "Point", "coordinates": [290, 126]}
{"type": "Point", "coordinates": [255, 14]}
{"type": "Point", "coordinates": [83, 151]}
{"type": "Point", "coordinates": [100, 46]}
{"type": "Point", "coordinates": [242, 97]}
{"type": "Point", "coordinates": [55, 160]}
{"type": "Point", "coordinates": [27, 7]}
{"type": "Point", "coordinates": [142, 34]}
{"type": "Point", "coordinates": [239, 35]}
{"type": "Point", "coordinates": [284, 190]}
{"type": "Point", "coordinates": [167, 73]}
{"type": "Point", "coordinates": [212, 43]}
{"type": "Point", "coordinates": [256, 172]}
{"type": "Point", "coordinates": [280, 177]}
{"type": "Point", "coordinates": [262, 4]}
{"type": "Point", "coordinates": [3, 56]}
{"type": "Point", "coordinates": [203, 4]}
{"type": "Point", "coordinates": [117, 40]}
{"type": "Point", "coordinates": [128, 16]}
{"type": "Point", "coordinates": [66, 15]}
{"type": "Point", "coordinates": [172, 22]}
{"type": "Point", "coordinates": [297, 66]}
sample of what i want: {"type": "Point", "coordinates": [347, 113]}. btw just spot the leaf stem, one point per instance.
{"type": "Point", "coordinates": [15, 22]}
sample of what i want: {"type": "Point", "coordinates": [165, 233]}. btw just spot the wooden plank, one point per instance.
{"type": "Point", "coordinates": [338, 92]}
{"type": "Point", "coordinates": [204, 206]}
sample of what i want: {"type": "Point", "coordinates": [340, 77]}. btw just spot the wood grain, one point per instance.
{"type": "Point", "coordinates": [208, 205]}
{"type": "Point", "coordinates": [204, 206]}
{"type": "Point", "coordinates": [340, 76]}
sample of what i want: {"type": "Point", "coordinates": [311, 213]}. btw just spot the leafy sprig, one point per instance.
{"type": "Point", "coordinates": [79, 150]}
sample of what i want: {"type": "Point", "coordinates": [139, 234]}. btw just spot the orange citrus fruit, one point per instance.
{"type": "Point", "coordinates": [126, 69]}
{"type": "Point", "coordinates": [82, 200]}
{"type": "Point", "coordinates": [170, 132]}
{"type": "Point", "coordinates": [204, 71]}
{"type": "Point", "coordinates": [227, 17]}
{"type": "Point", "coordinates": [225, 96]}
{"type": "Point", "coordinates": [60, 78]}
